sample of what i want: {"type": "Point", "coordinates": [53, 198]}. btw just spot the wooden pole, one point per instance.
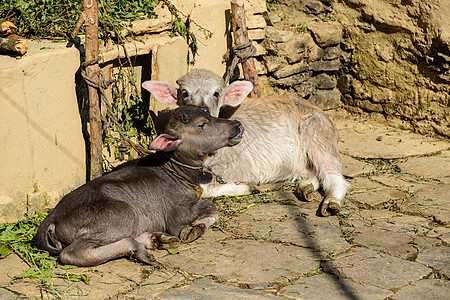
{"type": "Point", "coordinates": [89, 17]}
{"type": "Point", "coordinates": [239, 27]}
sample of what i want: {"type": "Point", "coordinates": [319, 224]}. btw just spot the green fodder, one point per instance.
{"type": "Point", "coordinates": [57, 18]}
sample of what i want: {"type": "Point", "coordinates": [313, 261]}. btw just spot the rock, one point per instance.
{"type": "Point", "coordinates": [326, 99]}
{"type": "Point", "coordinates": [278, 36]}
{"type": "Point", "coordinates": [294, 79]}
{"type": "Point", "coordinates": [260, 49]}
{"type": "Point", "coordinates": [255, 21]}
{"type": "Point", "coordinates": [432, 201]}
{"type": "Point", "coordinates": [437, 258]}
{"type": "Point", "coordinates": [424, 289]}
{"type": "Point", "coordinates": [326, 65]}
{"type": "Point", "coordinates": [289, 223]}
{"type": "Point", "coordinates": [205, 288]}
{"type": "Point", "coordinates": [332, 53]}
{"type": "Point", "coordinates": [429, 167]}
{"type": "Point", "coordinates": [326, 34]}
{"type": "Point", "coordinates": [256, 34]}
{"type": "Point", "coordinates": [270, 46]}
{"type": "Point", "coordinates": [325, 286]}
{"type": "Point", "coordinates": [291, 70]}
{"type": "Point", "coordinates": [353, 168]}
{"type": "Point", "coordinates": [260, 67]}
{"type": "Point", "coordinates": [378, 269]}
{"type": "Point", "coordinates": [371, 194]}
{"type": "Point", "coordinates": [234, 261]}
{"type": "Point", "coordinates": [325, 82]}
{"type": "Point", "coordinates": [344, 84]}
{"type": "Point", "coordinates": [274, 63]}
{"type": "Point", "coordinates": [7, 295]}
{"type": "Point", "coordinates": [296, 48]}
{"type": "Point", "coordinates": [397, 222]}
{"type": "Point", "coordinates": [305, 89]}
{"type": "Point", "coordinates": [394, 243]}
{"type": "Point", "coordinates": [308, 6]}
{"type": "Point", "coordinates": [396, 143]}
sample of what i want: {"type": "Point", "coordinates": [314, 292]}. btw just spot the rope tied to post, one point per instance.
{"type": "Point", "coordinates": [241, 53]}
{"type": "Point", "coordinates": [101, 86]}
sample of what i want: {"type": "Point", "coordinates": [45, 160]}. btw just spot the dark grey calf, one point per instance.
{"type": "Point", "coordinates": [132, 208]}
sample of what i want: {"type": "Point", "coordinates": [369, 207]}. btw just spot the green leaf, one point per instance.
{"type": "Point", "coordinates": [173, 251]}
{"type": "Point", "coordinates": [5, 251]}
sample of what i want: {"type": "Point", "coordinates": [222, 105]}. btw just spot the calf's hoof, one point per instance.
{"type": "Point", "coordinates": [190, 233]}
{"type": "Point", "coordinates": [329, 206]}
{"type": "Point", "coordinates": [307, 192]}
{"type": "Point", "coordinates": [143, 256]}
{"type": "Point", "coordinates": [167, 241]}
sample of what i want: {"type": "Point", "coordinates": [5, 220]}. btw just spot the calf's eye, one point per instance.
{"type": "Point", "coordinates": [202, 125]}
{"type": "Point", "coordinates": [185, 94]}
{"type": "Point", "coordinates": [216, 94]}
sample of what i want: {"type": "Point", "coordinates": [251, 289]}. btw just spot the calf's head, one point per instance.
{"type": "Point", "coordinates": [201, 88]}
{"type": "Point", "coordinates": [191, 134]}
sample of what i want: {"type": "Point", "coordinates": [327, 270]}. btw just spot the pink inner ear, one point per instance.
{"type": "Point", "coordinates": [165, 142]}
{"type": "Point", "coordinates": [163, 91]}
{"type": "Point", "coordinates": [236, 92]}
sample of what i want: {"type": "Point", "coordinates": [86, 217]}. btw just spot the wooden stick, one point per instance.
{"type": "Point", "coordinates": [90, 18]}
{"type": "Point", "coordinates": [14, 43]}
{"type": "Point", "coordinates": [239, 27]}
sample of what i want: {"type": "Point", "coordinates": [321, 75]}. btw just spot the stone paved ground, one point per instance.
{"type": "Point", "coordinates": [391, 240]}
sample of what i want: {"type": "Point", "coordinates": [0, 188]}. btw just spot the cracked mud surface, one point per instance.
{"type": "Point", "coordinates": [390, 241]}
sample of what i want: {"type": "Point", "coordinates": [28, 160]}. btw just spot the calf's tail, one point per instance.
{"type": "Point", "coordinates": [47, 239]}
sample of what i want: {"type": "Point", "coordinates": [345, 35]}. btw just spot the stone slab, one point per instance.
{"type": "Point", "coordinates": [369, 267]}
{"type": "Point", "coordinates": [433, 201]}
{"type": "Point", "coordinates": [394, 221]}
{"type": "Point", "coordinates": [424, 289]}
{"type": "Point", "coordinates": [206, 288]}
{"type": "Point", "coordinates": [359, 138]}
{"type": "Point", "coordinates": [105, 281]}
{"type": "Point", "coordinates": [7, 295]}
{"type": "Point", "coordinates": [11, 265]}
{"type": "Point", "coordinates": [325, 287]}
{"type": "Point", "coordinates": [371, 194]}
{"type": "Point", "coordinates": [437, 167]}
{"type": "Point", "coordinates": [403, 245]}
{"type": "Point", "coordinates": [401, 181]}
{"type": "Point", "coordinates": [290, 224]}
{"type": "Point", "coordinates": [157, 282]}
{"type": "Point", "coordinates": [437, 258]}
{"type": "Point", "coordinates": [245, 261]}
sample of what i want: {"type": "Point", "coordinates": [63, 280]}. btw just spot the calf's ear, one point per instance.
{"type": "Point", "coordinates": [236, 92]}
{"type": "Point", "coordinates": [165, 142]}
{"type": "Point", "coordinates": [163, 91]}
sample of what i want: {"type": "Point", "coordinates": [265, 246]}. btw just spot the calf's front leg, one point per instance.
{"type": "Point", "coordinates": [206, 216]}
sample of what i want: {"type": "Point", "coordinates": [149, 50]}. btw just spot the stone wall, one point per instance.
{"type": "Point", "coordinates": [388, 58]}
{"type": "Point", "coordinates": [301, 52]}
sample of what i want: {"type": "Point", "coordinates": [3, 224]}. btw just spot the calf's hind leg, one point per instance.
{"type": "Point", "coordinates": [87, 253]}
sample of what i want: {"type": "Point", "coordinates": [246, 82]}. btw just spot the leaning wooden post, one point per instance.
{"type": "Point", "coordinates": [239, 27]}
{"type": "Point", "coordinates": [90, 18]}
